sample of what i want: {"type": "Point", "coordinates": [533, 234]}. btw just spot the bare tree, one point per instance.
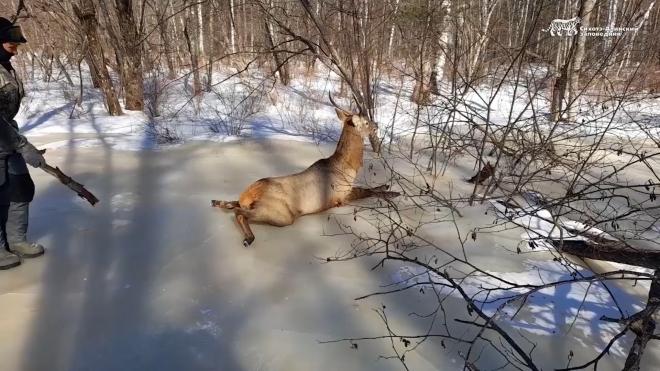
{"type": "Point", "coordinates": [94, 55]}
{"type": "Point", "coordinates": [128, 50]}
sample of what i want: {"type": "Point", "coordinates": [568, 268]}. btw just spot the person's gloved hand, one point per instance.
{"type": "Point", "coordinates": [33, 156]}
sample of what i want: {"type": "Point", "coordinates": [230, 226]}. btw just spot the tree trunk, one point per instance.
{"type": "Point", "coordinates": [194, 58]}
{"type": "Point", "coordinates": [644, 327]}
{"type": "Point", "coordinates": [626, 58]}
{"type": "Point", "coordinates": [392, 29]}
{"type": "Point", "coordinates": [94, 55]}
{"type": "Point", "coordinates": [443, 47]}
{"type": "Point", "coordinates": [66, 73]}
{"type": "Point", "coordinates": [487, 8]}
{"type": "Point", "coordinates": [167, 43]}
{"type": "Point", "coordinates": [558, 91]}
{"type": "Point", "coordinates": [575, 63]}
{"type": "Point", "coordinates": [200, 30]}
{"type": "Point", "coordinates": [130, 56]}
{"type": "Point", "coordinates": [422, 89]}
{"type": "Point", "coordinates": [232, 26]}
{"type": "Point", "coordinates": [611, 21]}
{"type": "Point", "coordinates": [96, 83]}
{"type": "Point", "coordinates": [280, 68]}
{"type": "Point", "coordinates": [210, 48]}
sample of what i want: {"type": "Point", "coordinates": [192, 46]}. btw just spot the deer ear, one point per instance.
{"type": "Point", "coordinates": [342, 115]}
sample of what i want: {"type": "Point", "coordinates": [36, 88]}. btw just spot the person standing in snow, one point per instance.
{"type": "Point", "coordinates": [16, 186]}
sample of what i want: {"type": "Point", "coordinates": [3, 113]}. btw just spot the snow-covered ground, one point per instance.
{"type": "Point", "coordinates": [154, 278]}
{"type": "Point", "coordinates": [251, 105]}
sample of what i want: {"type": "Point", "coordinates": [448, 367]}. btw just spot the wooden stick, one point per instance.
{"type": "Point", "coordinates": [72, 184]}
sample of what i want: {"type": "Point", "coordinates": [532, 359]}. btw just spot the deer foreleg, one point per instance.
{"type": "Point", "coordinates": [358, 193]}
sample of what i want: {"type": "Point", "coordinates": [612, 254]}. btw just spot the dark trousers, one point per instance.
{"type": "Point", "coordinates": [14, 223]}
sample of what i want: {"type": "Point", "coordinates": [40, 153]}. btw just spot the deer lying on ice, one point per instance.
{"type": "Point", "coordinates": [328, 183]}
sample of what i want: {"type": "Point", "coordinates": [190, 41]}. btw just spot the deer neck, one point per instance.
{"type": "Point", "coordinates": [350, 149]}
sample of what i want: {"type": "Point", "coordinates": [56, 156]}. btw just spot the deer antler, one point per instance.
{"type": "Point", "coordinates": [332, 101]}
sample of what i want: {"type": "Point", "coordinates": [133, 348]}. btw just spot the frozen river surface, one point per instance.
{"type": "Point", "coordinates": [155, 279]}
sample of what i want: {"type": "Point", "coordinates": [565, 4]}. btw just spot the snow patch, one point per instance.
{"type": "Point", "coordinates": [550, 311]}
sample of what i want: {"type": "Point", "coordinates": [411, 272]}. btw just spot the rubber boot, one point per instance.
{"type": "Point", "coordinates": [8, 260]}
{"type": "Point", "coordinates": [16, 229]}
{"type": "Point", "coordinates": [26, 249]}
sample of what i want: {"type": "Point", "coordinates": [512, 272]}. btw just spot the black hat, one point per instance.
{"type": "Point", "coordinates": [10, 33]}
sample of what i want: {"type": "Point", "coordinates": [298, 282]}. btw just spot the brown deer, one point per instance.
{"type": "Point", "coordinates": [328, 183]}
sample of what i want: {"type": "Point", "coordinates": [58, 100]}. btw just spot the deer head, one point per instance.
{"type": "Point", "coordinates": [365, 127]}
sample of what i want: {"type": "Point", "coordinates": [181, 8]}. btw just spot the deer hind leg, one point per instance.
{"type": "Point", "coordinates": [276, 214]}
{"type": "Point", "coordinates": [244, 225]}
{"type": "Point", "coordinates": [358, 193]}
{"type": "Point", "coordinates": [225, 204]}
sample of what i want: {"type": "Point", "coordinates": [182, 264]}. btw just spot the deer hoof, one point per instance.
{"type": "Point", "coordinates": [247, 242]}
{"type": "Point", "coordinates": [214, 203]}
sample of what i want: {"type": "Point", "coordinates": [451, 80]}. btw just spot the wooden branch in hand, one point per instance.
{"type": "Point", "coordinates": [72, 184]}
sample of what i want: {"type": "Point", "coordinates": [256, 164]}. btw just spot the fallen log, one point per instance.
{"type": "Point", "coordinates": [642, 324]}
{"type": "Point", "coordinates": [614, 251]}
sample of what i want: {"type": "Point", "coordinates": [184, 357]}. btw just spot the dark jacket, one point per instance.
{"type": "Point", "coordinates": [15, 182]}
